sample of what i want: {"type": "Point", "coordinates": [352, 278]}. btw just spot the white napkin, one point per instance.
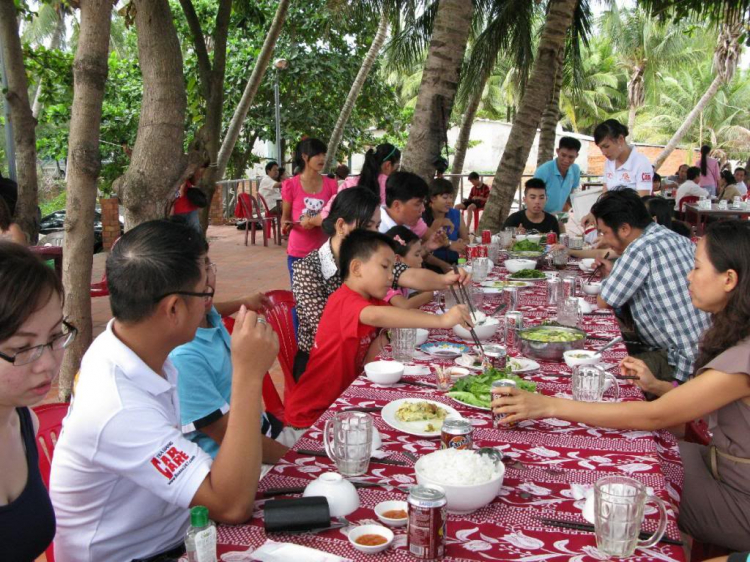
{"type": "Point", "coordinates": [272, 551]}
{"type": "Point", "coordinates": [584, 496]}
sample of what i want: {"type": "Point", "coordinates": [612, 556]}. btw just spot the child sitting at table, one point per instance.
{"type": "Point", "coordinates": [408, 249]}
{"type": "Point", "coordinates": [347, 336]}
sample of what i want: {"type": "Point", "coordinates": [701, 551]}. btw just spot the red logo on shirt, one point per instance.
{"type": "Point", "coordinates": [625, 176]}
{"type": "Point", "coordinates": [169, 460]}
{"type": "Point", "coordinates": [646, 177]}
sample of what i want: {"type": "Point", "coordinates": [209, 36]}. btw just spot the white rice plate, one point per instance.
{"type": "Point", "coordinates": [458, 467]}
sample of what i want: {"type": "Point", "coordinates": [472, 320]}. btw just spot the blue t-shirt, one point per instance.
{"type": "Point", "coordinates": [558, 188]}
{"type": "Point", "coordinates": [449, 256]}
{"type": "Point", "coordinates": [204, 383]}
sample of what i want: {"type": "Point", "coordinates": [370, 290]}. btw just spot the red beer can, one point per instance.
{"type": "Point", "coordinates": [486, 237]}
{"type": "Point", "coordinates": [551, 238]}
{"type": "Point", "coordinates": [428, 513]}
{"type": "Point", "coordinates": [476, 251]}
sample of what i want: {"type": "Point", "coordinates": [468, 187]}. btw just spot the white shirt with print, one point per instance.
{"type": "Point", "coordinates": [635, 173]}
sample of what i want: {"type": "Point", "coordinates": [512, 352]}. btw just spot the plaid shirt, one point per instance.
{"type": "Point", "coordinates": [652, 277]}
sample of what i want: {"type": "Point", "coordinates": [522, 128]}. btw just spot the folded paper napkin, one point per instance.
{"type": "Point", "coordinates": [272, 551]}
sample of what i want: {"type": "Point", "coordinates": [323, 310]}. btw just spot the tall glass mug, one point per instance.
{"type": "Point", "coordinates": [347, 437]}
{"type": "Point", "coordinates": [590, 383]}
{"type": "Point", "coordinates": [618, 513]}
{"type": "Point", "coordinates": [480, 268]}
{"type": "Point", "coordinates": [403, 341]}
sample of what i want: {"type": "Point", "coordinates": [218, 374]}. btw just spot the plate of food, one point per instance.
{"type": "Point", "coordinates": [474, 391]}
{"type": "Point", "coordinates": [423, 418]}
{"type": "Point", "coordinates": [528, 275]}
{"type": "Point", "coordinates": [517, 364]}
{"type": "Point", "coordinates": [444, 349]}
{"type": "Point", "coordinates": [469, 361]}
{"type": "Point", "coordinates": [490, 286]}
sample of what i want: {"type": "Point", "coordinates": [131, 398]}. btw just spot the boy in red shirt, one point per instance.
{"type": "Point", "coordinates": [347, 336]}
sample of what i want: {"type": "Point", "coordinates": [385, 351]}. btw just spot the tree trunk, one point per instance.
{"type": "Point", "coordinates": [251, 88]}
{"type": "Point", "coordinates": [631, 122]}
{"type": "Point", "coordinates": [438, 88]}
{"type": "Point", "coordinates": [89, 77]}
{"type": "Point", "coordinates": [157, 166]}
{"type": "Point", "coordinates": [57, 37]}
{"type": "Point", "coordinates": [636, 96]}
{"type": "Point", "coordinates": [24, 124]}
{"type": "Point", "coordinates": [689, 121]}
{"type": "Point", "coordinates": [551, 117]}
{"type": "Point", "coordinates": [464, 134]}
{"type": "Point", "coordinates": [351, 99]}
{"type": "Point", "coordinates": [516, 153]}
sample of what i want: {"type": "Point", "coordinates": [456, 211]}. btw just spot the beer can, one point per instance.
{"type": "Point", "coordinates": [553, 290]}
{"type": "Point", "coordinates": [568, 288]}
{"type": "Point", "coordinates": [511, 297]}
{"type": "Point", "coordinates": [551, 238]}
{"type": "Point", "coordinates": [513, 323]}
{"type": "Point", "coordinates": [564, 240]}
{"type": "Point", "coordinates": [486, 237]}
{"type": "Point", "coordinates": [456, 433]}
{"type": "Point", "coordinates": [496, 418]}
{"type": "Point", "coordinates": [497, 355]}
{"type": "Point", "coordinates": [428, 513]}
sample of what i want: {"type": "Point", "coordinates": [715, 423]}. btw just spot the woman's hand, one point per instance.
{"type": "Point", "coordinates": [519, 405]}
{"type": "Point", "coordinates": [459, 314]}
{"type": "Point", "coordinates": [307, 223]}
{"type": "Point", "coordinates": [286, 227]}
{"type": "Point", "coordinates": [458, 246]}
{"type": "Point", "coordinates": [647, 382]}
{"type": "Point", "coordinates": [437, 240]}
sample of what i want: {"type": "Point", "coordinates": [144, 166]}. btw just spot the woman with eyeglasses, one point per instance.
{"type": "Point", "coordinates": [33, 336]}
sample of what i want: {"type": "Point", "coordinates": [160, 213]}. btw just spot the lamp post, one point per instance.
{"type": "Point", "coordinates": [279, 64]}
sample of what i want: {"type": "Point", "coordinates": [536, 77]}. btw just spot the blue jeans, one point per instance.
{"type": "Point", "coordinates": [295, 321]}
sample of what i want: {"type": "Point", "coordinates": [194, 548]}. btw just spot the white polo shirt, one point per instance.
{"type": "Point", "coordinates": [636, 173]}
{"type": "Point", "coordinates": [123, 475]}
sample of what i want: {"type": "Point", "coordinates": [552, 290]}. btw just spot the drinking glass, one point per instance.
{"type": "Point", "coordinates": [443, 377]}
{"type": "Point", "coordinates": [477, 297]}
{"type": "Point", "coordinates": [348, 438]}
{"type": "Point", "coordinates": [618, 513]}
{"type": "Point", "coordinates": [403, 341]}
{"type": "Point", "coordinates": [723, 205]}
{"type": "Point", "coordinates": [569, 312]}
{"type": "Point", "coordinates": [480, 268]}
{"type": "Point", "coordinates": [590, 383]}
{"type": "Point", "coordinates": [493, 251]}
{"type": "Point", "coordinates": [560, 258]}
{"type": "Point", "coordinates": [506, 238]}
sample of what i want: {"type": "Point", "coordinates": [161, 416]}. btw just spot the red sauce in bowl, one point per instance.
{"type": "Point", "coordinates": [371, 540]}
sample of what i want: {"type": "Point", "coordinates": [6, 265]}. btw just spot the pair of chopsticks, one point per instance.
{"type": "Point", "coordinates": [591, 529]}
{"type": "Point", "coordinates": [466, 296]}
{"type": "Point", "coordinates": [315, 453]}
{"type": "Point", "coordinates": [596, 269]}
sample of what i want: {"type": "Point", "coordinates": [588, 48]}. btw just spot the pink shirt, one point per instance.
{"type": "Point", "coordinates": [400, 292]}
{"type": "Point", "coordinates": [712, 173]}
{"type": "Point", "coordinates": [302, 241]}
{"type": "Point", "coordinates": [419, 229]}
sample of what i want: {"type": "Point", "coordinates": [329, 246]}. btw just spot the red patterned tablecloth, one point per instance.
{"type": "Point", "coordinates": [546, 457]}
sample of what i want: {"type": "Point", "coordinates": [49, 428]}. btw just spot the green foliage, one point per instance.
{"type": "Point", "coordinates": [54, 204]}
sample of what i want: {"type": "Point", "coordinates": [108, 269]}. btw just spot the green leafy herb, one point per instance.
{"type": "Point", "coordinates": [527, 246]}
{"type": "Point", "coordinates": [528, 274]}
{"type": "Point", "coordinates": [475, 389]}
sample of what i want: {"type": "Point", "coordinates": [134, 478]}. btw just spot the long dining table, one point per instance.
{"type": "Point", "coordinates": [547, 462]}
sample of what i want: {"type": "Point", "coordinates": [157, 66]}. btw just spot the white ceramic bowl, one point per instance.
{"type": "Point", "coordinates": [571, 361]}
{"type": "Point", "coordinates": [341, 494]}
{"type": "Point", "coordinates": [484, 331]}
{"type": "Point", "coordinates": [535, 238]}
{"type": "Point", "coordinates": [514, 266]}
{"type": "Point", "coordinates": [592, 288]}
{"type": "Point", "coordinates": [357, 532]}
{"type": "Point", "coordinates": [587, 264]}
{"type": "Point", "coordinates": [383, 507]}
{"type": "Point", "coordinates": [384, 372]}
{"type": "Point", "coordinates": [464, 499]}
{"type": "Point", "coordinates": [422, 336]}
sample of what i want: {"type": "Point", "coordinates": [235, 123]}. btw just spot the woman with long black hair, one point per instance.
{"type": "Point", "coordinates": [709, 178]}
{"type": "Point", "coordinates": [715, 504]}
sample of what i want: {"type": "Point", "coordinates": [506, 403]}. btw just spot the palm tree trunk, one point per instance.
{"type": "Point", "coordinates": [89, 77]}
{"type": "Point", "coordinates": [516, 153]}
{"type": "Point", "coordinates": [551, 117]}
{"type": "Point", "coordinates": [158, 164]}
{"type": "Point", "coordinates": [689, 121]}
{"type": "Point", "coordinates": [438, 88]}
{"type": "Point", "coordinates": [251, 88]}
{"type": "Point", "coordinates": [631, 122]}
{"type": "Point", "coordinates": [359, 81]}
{"type": "Point", "coordinates": [464, 134]}
{"type": "Point", "coordinates": [54, 43]}
{"type": "Point", "coordinates": [24, 124]}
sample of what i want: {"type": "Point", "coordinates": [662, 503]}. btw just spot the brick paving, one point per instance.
{"type": "Point", "coordinates": [241, 270]}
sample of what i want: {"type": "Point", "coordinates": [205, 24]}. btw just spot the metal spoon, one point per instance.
{"type": "Point", "coordinates": [492, 453]}
{"type": "Point", "coordinates": [617, 340]}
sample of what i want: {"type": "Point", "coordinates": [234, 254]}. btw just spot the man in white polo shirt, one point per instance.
{"type": "Point", "coordinates": [123, 475]}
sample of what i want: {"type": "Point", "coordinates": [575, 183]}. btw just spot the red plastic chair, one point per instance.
{"type": "Point", "coordinates": [279, 315]}
{"type": "Point", "coordinates": [100, 288]}
{"type": "Point", "coordinates": [50, 423]}
{"type": "Point", "coordinates": [271, 398]}
{"type": "Point", "coordinates": [275, 222]}
{"type": "Point", "coordinates": [687, 200]}
{"type": "Point", "coordinates": [255, 220]}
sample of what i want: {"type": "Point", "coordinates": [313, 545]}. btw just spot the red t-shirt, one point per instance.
{"type": "Point", "coordinates": [336, 358]}
{"type": "Point", "coordinates": [482, 191]}
{"type": "Point", "coordinates": [182, 204]}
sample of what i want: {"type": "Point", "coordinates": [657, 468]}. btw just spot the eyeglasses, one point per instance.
{"type": "Point", "coordinates": [207, 296]}
{"type": "Point", "coordinates": [31, 354]}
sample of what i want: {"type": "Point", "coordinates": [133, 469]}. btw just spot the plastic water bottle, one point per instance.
{"type": "Point", "coordinates": [200, 540]}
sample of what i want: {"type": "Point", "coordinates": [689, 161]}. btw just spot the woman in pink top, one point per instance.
{"type": "Point", "coordinates": [709, 178]}
{"type": "Point", "coordinates": [303, 198]}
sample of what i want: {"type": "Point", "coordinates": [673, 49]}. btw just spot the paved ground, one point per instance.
{"type": "Point", "coordinates": [241, 270]}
